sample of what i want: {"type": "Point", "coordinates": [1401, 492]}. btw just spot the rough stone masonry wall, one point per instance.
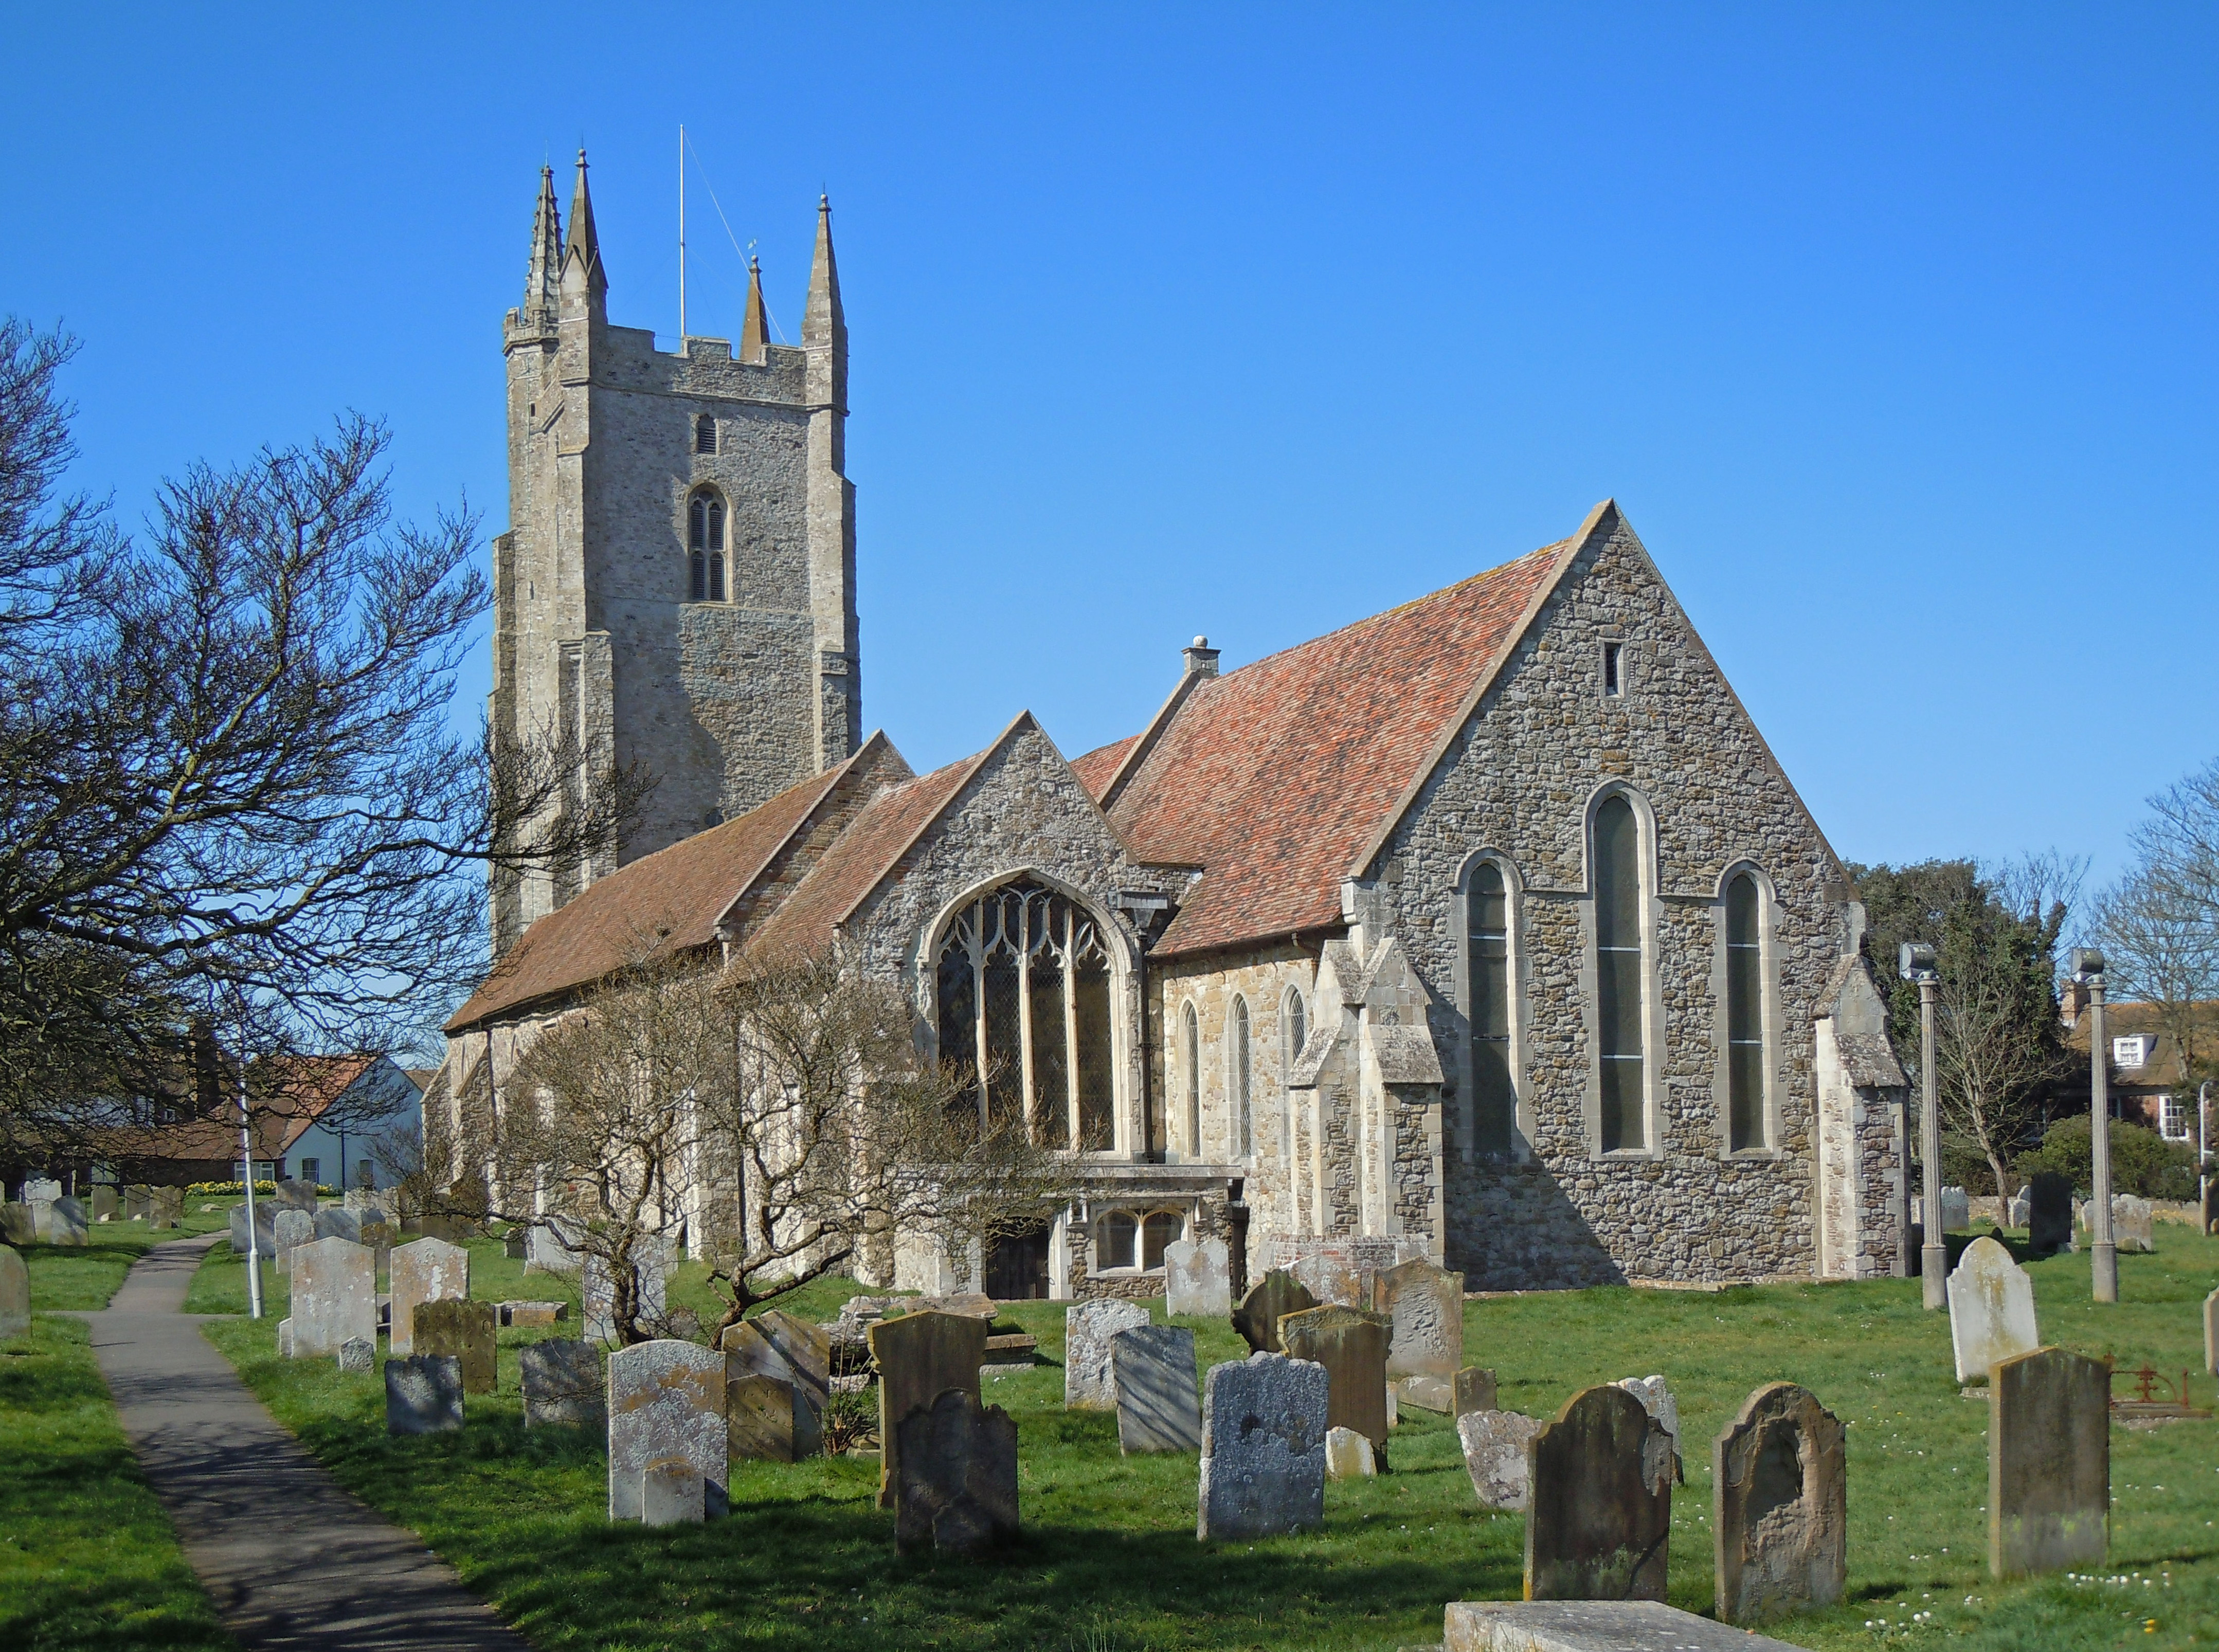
{"type": "Point", "coordinates": [1519, 780]}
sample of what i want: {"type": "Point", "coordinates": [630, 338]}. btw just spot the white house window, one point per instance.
{"type": "Point", "coordinates": [1240, 1071]}
{"type": "Point", "coordinates": [1620, 1055]}
{"type": "Point", "coordinates": [2132, 1051]}
{"type": "Point", "coordinates": [1744, 1015]}
{"type": "Point", "coordinates": [1487, 935]}
{"type": "Point", "coordinates": [1023, 982]}
{"type": "Point", "coordinates": [1125, 1238]}
{"type": "Point", "coordinates": [2176, 1121]}
{"type": "Point", "coordinates": [310, 1171]}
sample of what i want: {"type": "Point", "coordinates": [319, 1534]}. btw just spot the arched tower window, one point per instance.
{"type": "Point", "coordinates": [1239, 1070]}
{"type": "Point", "coordinates": [704, 434]}
{"type": "Point", "coordinates": [1621, 1056]}
{"type": "Point", "coordinates": [1023, 979]}
{"type": "Point", "coordinates": [705, 541]}
{"type": "Point", "coordinates": [1486, 975]}
{"type": "Point", "coordinates": [1744, 1015]}
{"type": "Point", "coordinates": [1190, 1050]}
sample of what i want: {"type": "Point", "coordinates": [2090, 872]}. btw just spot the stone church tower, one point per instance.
{"type": "Point", "coordinates": [677, 587]}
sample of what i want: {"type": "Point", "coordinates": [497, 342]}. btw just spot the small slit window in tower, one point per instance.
{"type": "Point", "coordinates": [1614, 672]}
{"type": "Point", "coordinates": [704, 434]}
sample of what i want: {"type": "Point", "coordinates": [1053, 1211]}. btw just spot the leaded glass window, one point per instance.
{"type": "Point", "coordinates": [1744, 1015]}
{"type": "Point", "coordinates": [1244, 1136]}
{"type": "Point", "coordinates": [1487, 935]}
{"type": "Point", "coordinates": [1114, 1236]}
{"type": "Point", "coordinates": [1190, 1049]}
{"type": "Point", "coordinates": [1161, 1229]}
{"type": "Point", "coordinates": [1024, 981]}
{"type": "Point", "coordinates": [1619, 973]}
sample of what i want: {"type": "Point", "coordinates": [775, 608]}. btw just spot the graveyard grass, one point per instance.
{"type": "Point", "coordinates": [88, 1557]}
{"type": "Point", "coordinates": [1109, 1560]}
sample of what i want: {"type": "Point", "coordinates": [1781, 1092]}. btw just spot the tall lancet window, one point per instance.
{"type": "Point", "coordinates": [1241, 1072]}
{"type": "Point", "coordinates": [1618, 975]}
{"type": "Point", "coordinates": [1487, 936]}
{"type": "Point", "coordinates": [704, 538]}
{"type": "Point", "coordinates": [1190, 1054]}
{"type": "Point", "coordinates": [1024, 981]}
{"type": "Point", "coordinates": [1744, 1015]}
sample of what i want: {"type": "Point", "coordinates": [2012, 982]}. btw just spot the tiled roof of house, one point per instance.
{"type": "Point", "coordinates": [1273, 778]}
{"type": "Point", "coordinates": [289, 1096]}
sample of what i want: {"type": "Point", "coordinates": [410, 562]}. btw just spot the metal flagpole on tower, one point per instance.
{"type": "Point", "coordinates": [681, 238]}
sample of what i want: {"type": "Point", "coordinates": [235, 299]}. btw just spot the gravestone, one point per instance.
{"type": "Point", "coordinates": [1089, 1383]}
{"type": "Point", "coordinates": [16, 1227]}
{"type": "Point", "coordinates": [1263, 1449]}
{"type": "Point", "coordinates": [65, 1223]}
{"type": "Point", "coordinates": [545, 1253]}
{"type": "Point", "coordinates": [649, 1263]}
{"type": "Point", "coordinates": [673, 1492]}
{"type": "Point", "coordinates": [806, 1346]}
{"type": "Point", "coordinates": [562, 1384]}
{"type": "Point", "coordinates": [357, 1354]}
{"type": "Point", "coordinates": [2133, 1223]}
{"type": "Point", "coordinates": [1779, 1507]}
{"type": "Point", "coordinates": [105, 1204]}
{"type": "Point", "coordinates": [1197, 1278]}
{"type": "Point", "coordinates": [1157, 1407]}
{"type": "Point", "coordinates": [2211, 1333]}
{"type": "Point", "coordinates": [1956, 1210]}
{"type": "Point", "coordinates": [666, 1400]}
{"type": "Point", "coordinates": [295, 1228]}
{"type": "Point", "coordinates": [423, 1395]}
{"type": "Point", "coordinates": [465, 1330]}
{"type": "Point", "coordinates": [40, 1189]}
{"type": "Point", "coordinates": [766, 1420]}
{"type": "Point", "coordinates": [513, 1244]}
{"type": "Point", "coordinates": [1333, 1275]}
{"type": "Point", "coordinates": [2049, 1212]}
{"type": "Point", "coordinates": [1598, 1516]}
{"type": "Point", "coordinates": [137, 1202]}
{"type": "Point", "coordinates": [1991, 1309]}
{"type": "Point", "coordinates": [958, 1485]}
{"type": "Point", "coordinates": [1424, 1306]}
{"type": "Point", "coordinates": [285, 1338]}
{"type": "Point", "coordinates": [379, 1236]}
{"type": "Point", "coordinates": [1274, 1296]}
{"type": "Point", "coordinates": [368, 1204]}
{"type": "Point", "coordinates": [423, 1270]}
{"type": "Point", "coordinates": [750, 1354]}
{"type": "Point", "coordinates": [1591, 1626]}
{"type": "Point", "coordinates": [1427, 1392]}
{"type": "Point", "coordinates": [295, 1196]}
{"type": "Point", "coordinates": [1659, 1402]}
{"type": "Point", "coordinates": [2049, 1463]}
{"type": "Point", "coordinates": [2016, 1212]}
{"type": "Point", "coordinates": [334, 1298]}
{"type": "Point", "coordinates": [42, 1217]}
{"type": "Point", "coordinates": [1494, 1444]}
{"type": "Point", "coordinates": [332, 1223]}
{"type": "Point", "coordinates": [1352, 1345]}
{"type": "Point", "coordinates": [919, 1357]}
{"type": "Point", "coordinates": [532, 1314]}
{"type": "Point", "coordinates": [165, 1208]}
{"type": "Point", "coordinates": [1474, 1390]}
{"type": "Point", "coordinates": [1348, 1455]}
{"type": "Point", "coordinates": [15, 1295]}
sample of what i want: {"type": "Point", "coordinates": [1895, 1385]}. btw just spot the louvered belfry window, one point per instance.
{"type": "Point", "coordinates": [1023, 982]}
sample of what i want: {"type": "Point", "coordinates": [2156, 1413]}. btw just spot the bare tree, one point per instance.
{"type": "Point", "coordinates": [2160, 936]}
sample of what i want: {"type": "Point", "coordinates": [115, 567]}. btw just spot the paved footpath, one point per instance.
{"type": "Point", "coordinates": [291, 1560]}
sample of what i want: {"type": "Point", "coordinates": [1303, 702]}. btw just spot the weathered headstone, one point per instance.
{"type": "Point", "coordinates": [16, 1226]}
{"type": "Point", "coordinates": [515, 1244]}
{"type": "Point", "coordinates": [105, 1204]}
{"type": "Point", "coordinates": [359, 1354]}
{"type": "Point", "coordinates": [806, 1347]}
{"type": "Point", "coordinates": [2016, 1210]}
{"type": "Point", "coordinates": [2133, 1223]}
{"type": "Point", "coordinates": [334, 1298]}
{"type": "Point", "coordinates": [2049, 1463]}
{"type": "Point", "coordinates": [295, 1228]}
{"type": "Point", "coordinates": [1657, 1398]}
{"type": "Point", "coordinates": [1779, 1506]}
{"type": "Point", "coordinates": [334, 1222]}
{"type": "Point", "coordinates": [15, 1295]}
{"type": "Point", "coordinates": [424, 1394]}
{"type": "Point", "coordinates": [1352, 1345]}
{"type": "Point", "coordinates": [795, 1425]}
{"type": "Point", "coordinates": [369, 1204]}
{"type": "Point", "coordinates": [562, 1384]}
{"type": "Point", "coordinates": [295, 1196]}
{"type": "Point", "coordinates": [285, 1338]}
{"type": "Point", "coordinates": [666, 1399]}
{"type": "Point", "coordinates": [766, 1420]}
{"type": "Point", "coordinates": [465, 1330]}
{"type": "Point", "coordinates": [2049, 1212]}
{"type": "Point", "coordinates": [1474, 1390]}
{"type": "Point", "coordinates": [1157, 1406]}
{"type": "Point", "coordinates": [1427, 1392]}
{"type": "Point", "coordinates": [1333, 1276]}
{"type": "Point", "coordinates": [42, 1217]}
{"type": "Point", "coordinates": [918, 1356]}
{"type": "Point", "coordinates": [1591, 1626]}
{"type": "Point", "coordinates": [673, 1492]}
{"type": "Point", "coordinates": [545, 1253]}
{"type": "Point", "coordinates": [1991, 1309]}
{"type": "Point", "coordinates": [1956, 1210]}
{"type": "Point", "coordinates": [1495, 1443]}
{"type": "Point", "coordinates": [166, 1208]}
{"type": "Point", "coordinates": [1348, 1455]}
{"type": "Point", "coordinates": [1089, 1383]}
{"type": "Point", "coordinates": [958, 1485]}
{"type": "Point", "coordinates": [1274, 1296]}
{"type": "Point", "coordinates": [65, 1221]}
{"type": "Point", "coordinates": [136, 1200]}
{"type": "Point", "coordinates": [424, 1270]}
{"type": "Point", "coordinates": [1599, 1501]}
{"type": "Point", "coordinates": [2211, 1333]}
{"type": "Point", "coordinates": [532, 1313]}
{"type": "Point", "coordinates": [649, 1264]}
{"type": "Point", "coordinates": [1198, 1277]}
{"type": "Point", "coordinates": [1424, 1306]}
{"type": "Point", "coordinates": [1263, 1449]}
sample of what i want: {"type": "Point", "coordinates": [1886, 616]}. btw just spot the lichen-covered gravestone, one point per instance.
{"type": "Point", "coordinates": [16, 1227]}
{"type": "Point", "coordinates": [465, 1330]}
{"type": "Point", "coordinates": [1494, 1444]}
{"type": "Point", "coordinates": [1263, 1449]}
{"type": "Point", "coordinates": [2049, 1463]}
{"type": "Point", "coordinates": [15, 1295]}
{"type": "Point", "coordinates": [295, 1196]}
{"type": "Point", "coordinates": [2133, 1223]}
{"type": "Point", "coordinates": [1089, 1382]}
{"type": "Point", "coordinates": [1274, 1296]}
{"type": "Point", "coordinates": [666, 1400]}
{"type": "Point", "coordinates": [1198, 1277]}
{"type": "Point", "coordinates": [1424, 1306]}
{"type": "Point", "coordinates": [562, 1384]}
{"type": "Point", "coordinates": [423, 1395]}
{"type": "Point", "coordinates": [1598, 1517]}
{"type": "Point", "coordinates": [425, 1271]}
{"type": "Point", "coordinates": [1990, 1310]}
{"type": "Point", "coordinates": [166, 1208]}
{"type": "Point", "coordinates": [334, 1298]}
{"type": "Point", "coordinates": [918, 1356]}
{"type": "Point", "coordinates": [1157, 1408]}
{"type": "Point", "coordinates": [958, 1485]}
{"type": "Point", "coordinates": [1956, 1210]}
{"type": "Point", "coordinates": [295, 1228]}
{"type": "Point", "coordinates": [1779, 1506]}
{"type": "Point", "coordinates": [2049, 1212]}
{"type": "Point", "coordinates": [1352, 1347]}
{"type": "Point", "coordinates": [359, 1355]}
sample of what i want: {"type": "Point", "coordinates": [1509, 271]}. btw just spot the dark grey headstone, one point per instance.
{"type": "Point", "coordinates": [1263, 1449]}
{"type": "Point", "coordinates": [958, 1487]}
{"type": "Point", "coordinates": [1599, 1501]}
{"type": "Point", "coordinates": [2048, 1212]}
{"type": "Point", "coordinates": [423, 1395]}
{"type": "Point", "coordinates": [357, 1354]}
{"type": "Point", "coordinates": [919, 1357]}
{"type": "Point", "coordinates": [1158, 1409]}
{"type": "Point", "coordinates": [1474, 1390]}
{"type": "Point", "coordinates": [336, 1222]}
{"type": "Point", "coordinates": [465, 1330]}
{"type": "Point", "coordinates": [1274, 1296]}
{"type": "Point", "coordinates": [2049, 1463]}
{"type": "Point", "coordinates": [1779, 1507]}
{"type": "Point", "coordinates": [562, 1384]}
{"type": "Point", "coordinates": [65, 1221]}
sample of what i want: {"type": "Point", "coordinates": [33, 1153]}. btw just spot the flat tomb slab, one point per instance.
{"type": "Point", "coordinates": [1591, 1626]}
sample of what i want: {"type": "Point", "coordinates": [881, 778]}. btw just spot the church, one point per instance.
{"type": "Point", "coordinates": [1487, 930]}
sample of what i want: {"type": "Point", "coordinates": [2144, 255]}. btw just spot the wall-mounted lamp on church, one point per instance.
{"type": "Point", "coordinates": [1917, 963]}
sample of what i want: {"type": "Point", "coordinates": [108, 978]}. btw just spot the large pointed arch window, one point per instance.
{"type": "Point", "coordinates": [1023, 978]}
{"type": "Point", "coordinates": [1486, 975]}
{"type": "Point", "coordinates": [705, 542]}
{"type": "Point", "coordinates": [1622, 1056]}
{"type": "Point", "coordinates": [1744, 1017]}
{"type": "Point", "coordinates": [1190, 1052]}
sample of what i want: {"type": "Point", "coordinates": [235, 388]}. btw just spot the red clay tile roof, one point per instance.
{"type": "Point", "coordinates": [1274, 777]}
{"type": "Point", "coordinates": [1096, 767]}
{"type": "Point", "coordinates": [663, 902]}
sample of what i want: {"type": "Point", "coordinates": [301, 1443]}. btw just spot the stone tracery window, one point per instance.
{"type": "Point", "coordinates": [1124, 1240]}
{"type": "Point", "coordinates": [1744, 1015]}
{"type": "Point", "coordinates": [705, 541]}
{"type": "Point", "coordinates": [1023, 976]}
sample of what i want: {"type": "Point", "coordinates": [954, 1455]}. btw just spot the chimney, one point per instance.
{"type": "Point", "coordinates": [2071, 1002]}
{"type": "Point", "coordinates": [1202, 659]}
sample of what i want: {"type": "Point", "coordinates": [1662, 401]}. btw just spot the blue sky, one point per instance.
{"type": "Point", "coordinates": [1891, 328]}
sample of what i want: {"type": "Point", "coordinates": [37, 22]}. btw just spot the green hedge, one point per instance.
{"type": "Point", "coordinates": [2142, 1161]}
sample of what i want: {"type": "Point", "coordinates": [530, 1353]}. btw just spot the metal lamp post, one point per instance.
{"type": "Point", "coordinates": [1917, 963]}
{"type": "Point", "coordinates": [2088, 971]}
